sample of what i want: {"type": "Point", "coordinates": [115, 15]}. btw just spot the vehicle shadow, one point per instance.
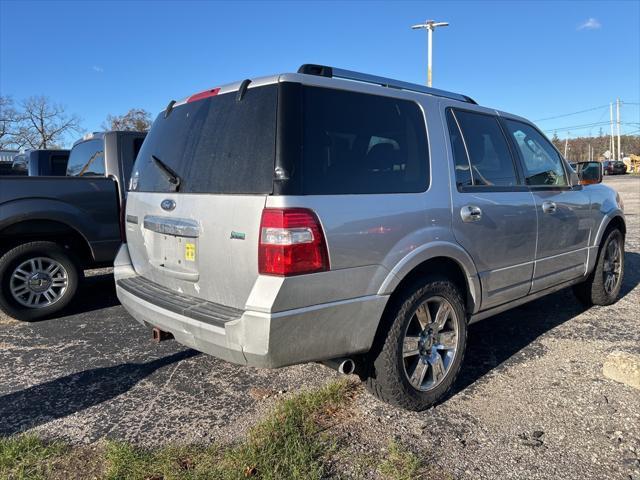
{"type": "Point", "coordinates": [33, 406]}
{"type": "Point", "coordinates": [95, 292]}
{"type": "Point", "coordinates": [498, 339]}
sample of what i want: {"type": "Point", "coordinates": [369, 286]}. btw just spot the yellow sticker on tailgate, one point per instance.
{"type": "Point", "coordinates": [190, 252]}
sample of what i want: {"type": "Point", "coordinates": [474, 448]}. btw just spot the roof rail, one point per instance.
{"type": "Point", "coordinates": [331, 72]}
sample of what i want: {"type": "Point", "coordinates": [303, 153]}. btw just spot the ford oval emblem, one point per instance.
{"type": "Point", "coordinates": [168, 204]}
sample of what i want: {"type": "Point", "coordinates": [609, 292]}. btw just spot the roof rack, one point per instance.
{"type": "Point", "coordinates": [331, 72]}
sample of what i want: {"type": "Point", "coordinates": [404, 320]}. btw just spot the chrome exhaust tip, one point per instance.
{"type": "Point", "coordinates": [346, 366]}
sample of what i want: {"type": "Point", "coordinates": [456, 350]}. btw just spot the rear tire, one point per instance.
{"type": "Point", "coordinates": [419, 350]}
{"type": "Point", "coordinates": [37, 279]}
{"type": "Point", "coordinates": [603, 285]}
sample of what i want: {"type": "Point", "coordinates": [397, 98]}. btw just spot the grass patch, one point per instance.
{"type": "Point", "coordinates": [289, 443]}
{"type": "Point", "coordinates": [28, 457]}
{"type": "Point", "coordinates": [400, 464]}
{"type": "Point", "coordinates": [125, 462]}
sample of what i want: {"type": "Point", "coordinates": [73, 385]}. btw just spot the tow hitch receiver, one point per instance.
{"type": "Point", "coordinates": [160, 335]}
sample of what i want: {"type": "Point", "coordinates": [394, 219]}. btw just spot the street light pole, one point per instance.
{"type": "Point", "coordinates": [618, 116]}
{"type": "Point", "coordinates": [429, 55]}
{"type": "Point", "coordinates": [430, 26]}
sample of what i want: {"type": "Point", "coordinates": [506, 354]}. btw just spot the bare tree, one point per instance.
{"type": "Point", "coordinates": [44, 124]}
{"type": "Point", "coordinates": [136, 120]}
{"type": "Point", "coordinates": [9, 119]}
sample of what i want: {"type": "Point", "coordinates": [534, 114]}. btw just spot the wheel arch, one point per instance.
{"type": "Point", "coordinates": [617, 222]}
{"type": "Point", "coordinates": [612, 220]}
{"type": "Point", "coordinates": [38, 229]}
{"type": "Point", "coordinates": [437, 257]}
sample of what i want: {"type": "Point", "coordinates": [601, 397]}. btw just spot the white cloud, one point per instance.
{"type": "Point", "coordinates": [591, 24]}
{"type": "Point", "coordinates": [97, 69]}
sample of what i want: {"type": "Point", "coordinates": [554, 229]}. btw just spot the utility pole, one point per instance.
{"type": "Point", "coordinates": [612, 143]}
{"type": "Point", "coordinates": [566, 146]}
{"type": "Point", "coordinates": [618, 116]}
{"type": "Point", "coordinates": [430, 26]}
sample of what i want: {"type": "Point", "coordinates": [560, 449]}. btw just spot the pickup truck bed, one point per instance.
{"type": "Point", "coordinates": [84, 206]}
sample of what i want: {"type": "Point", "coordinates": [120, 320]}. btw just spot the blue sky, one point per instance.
{"type": "Point", "coordinates": [537, 59]}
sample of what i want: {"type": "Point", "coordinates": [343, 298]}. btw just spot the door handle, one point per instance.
{"type": "Point", "coordinates": [548, 207]}
{"type": "Point", "coordinates": [470, 213]}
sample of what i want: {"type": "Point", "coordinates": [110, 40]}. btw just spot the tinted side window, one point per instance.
{"type": "Point", "coordinates": [356, 143]}
{"type": "Point", "coordinates": [460, 158]}
{"type": "Point", "coordinates": [129, 149]}
{"type": "Point", "coordinates": [137, 144]}
{"type": "Point", "coordinates": [542, 164]}
{"type": "Point", "coordinates": [486, 150]}
{"type": "Point", "coordinates": [87, 159]}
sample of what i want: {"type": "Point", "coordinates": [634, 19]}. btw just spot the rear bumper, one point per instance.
{"type": "Point", "coordinates": [260, 339]}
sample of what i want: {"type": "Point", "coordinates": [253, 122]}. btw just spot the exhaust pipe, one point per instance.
{"type": "Point", "coordinates": [344, 365]}
{"type": "Point", "coordinates": [158, 335]}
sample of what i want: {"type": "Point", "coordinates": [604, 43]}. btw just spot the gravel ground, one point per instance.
{"type": "Point", "coordinates": [531, 402]}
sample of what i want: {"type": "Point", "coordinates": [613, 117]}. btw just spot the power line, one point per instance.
{"type": "Point", "coordinates": [583, 111]}
{"type": "Point", "coordinates": [583, 126]}
{"type": "Point", "coordinates": [573, 113]}
{"type": "Point", "coordinates": [576, 127]}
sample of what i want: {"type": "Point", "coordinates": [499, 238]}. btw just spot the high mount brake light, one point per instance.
{"type": "Point", "coordinates": [207, 93]}
{"type": "Point", "coordinates": [291, 243]}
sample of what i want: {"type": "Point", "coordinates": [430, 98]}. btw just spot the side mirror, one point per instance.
{"type": "Point", "coordinates": [20, 166]}
{"type": "Point", "coordinates": [589, 172]}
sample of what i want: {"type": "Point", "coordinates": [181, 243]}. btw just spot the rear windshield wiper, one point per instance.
{"type": "Point", "coordinates": [172, 176]}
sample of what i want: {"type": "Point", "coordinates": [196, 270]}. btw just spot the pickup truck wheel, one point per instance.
{"type": "Point", "coordinates": [418, 356]}
{"type": "Point", "coordinates": [37, 280]}
{"type": "Point", "coordinates": [603, 285]}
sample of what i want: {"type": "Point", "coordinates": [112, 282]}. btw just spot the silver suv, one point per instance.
{"type": "Point", "coordinates": [333, 216]}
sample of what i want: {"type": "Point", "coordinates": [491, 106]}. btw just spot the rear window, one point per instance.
{"type": "Point", "coordinates": [87, 159]}
{"type": "Point", "coordinates": [215, 145]}
{"type": "Point", "coordinates": [59, 164]}
{"type": "Point", "coordinates": [355, 143]}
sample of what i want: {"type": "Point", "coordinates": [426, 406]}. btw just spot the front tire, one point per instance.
{"type": "Point", "coordinates": [603, 285]}
{"type": "Point", "coordinates": [37, 279]}
{"type": "Point", "coordinates": [418, 353]}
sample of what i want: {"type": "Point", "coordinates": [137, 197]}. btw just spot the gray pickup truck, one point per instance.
{"type": "Point", "coordinates": [52, 228]}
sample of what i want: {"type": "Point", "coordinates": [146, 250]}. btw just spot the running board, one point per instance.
{"type": "Point", "coordinates": [521, 301]}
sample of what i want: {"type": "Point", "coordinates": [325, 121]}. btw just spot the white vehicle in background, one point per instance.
{"type": "Point", "coordinates": [6, 161]}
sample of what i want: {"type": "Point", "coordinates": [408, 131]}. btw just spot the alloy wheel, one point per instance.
{"type": "Point", "coordinates": [430, 343]}
{"type": "Point", "coordinates": [38, 282]}
{"type": "Point", "coordinates": [612, 266]}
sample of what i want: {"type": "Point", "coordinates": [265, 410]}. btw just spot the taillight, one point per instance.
{"type": "Point", "coordinates": [291, 242]}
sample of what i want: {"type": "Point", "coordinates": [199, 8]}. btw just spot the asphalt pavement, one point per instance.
{"type": "Point", "coordinates": [531, 402]}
